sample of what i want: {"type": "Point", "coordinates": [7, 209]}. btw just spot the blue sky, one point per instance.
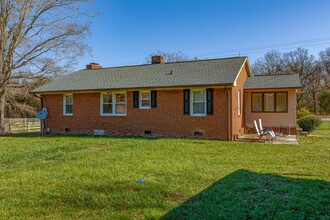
{"type": "Point", "coordinates": [128, 30]}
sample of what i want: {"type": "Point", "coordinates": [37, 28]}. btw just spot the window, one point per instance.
{"type": "Point", "coordinates": [120, 103]}
{"type": "Point", "coordinates": [107, 103]}
{"type": "Point", "coordinates": [68, 104]}
{"type": "Point", "coordinates": [270, 102]}
{"type": "Point", "coordinates": [113, 103]}
{"type": "Point", "coordinates": [145, 99]}
{"type": "Point", "coordinates": [239, 102]}
{"type": "Point", "coordinates": [257, 102]}
{"type": "Point", "coordinates": [281, 102]}
{"type": "Point", "coordinates": [198, 102]}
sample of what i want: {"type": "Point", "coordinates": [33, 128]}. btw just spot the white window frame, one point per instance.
{"type": "Point", "coordinates": [140, 99]}
{"type": "Point", "coordinates": [113, 104]}
{"type": "Point", "coordinates": [101, 104]}
{"type": "Point", "coordinates": [239, 102]}
{"type": "Point", "coordinates": [64, 104]}
{"type": "Point", "coordinates": [192, 102]}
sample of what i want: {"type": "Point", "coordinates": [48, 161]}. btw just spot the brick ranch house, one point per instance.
{"type": "Point", "coordinates": [212, 99]}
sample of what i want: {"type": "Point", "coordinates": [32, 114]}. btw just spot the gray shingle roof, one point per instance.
{"type": "Point", "coordinates": [272, 81]}
{"type": "Point", "coordinates": [190, 73]}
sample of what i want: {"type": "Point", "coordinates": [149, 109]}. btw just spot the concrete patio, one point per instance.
{"type": "Point", "coordinates": [285, 139]}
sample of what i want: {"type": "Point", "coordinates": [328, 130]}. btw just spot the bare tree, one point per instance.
{"type": "Point", "coordinates": [313, 84]}
{"type": "Point", "coordinates": [311, 76]}
{"type": "Point", "coordinates": [325, 62]}
{"type": "Point", "coordinates": [20, 103]}
{"type": "Point", "coordinates": [38, 38]}
{"type": "Point", "coordinates": [270, 64]}
{"type": "Point", "coordinates": [169, 56]}
{"type": "Point", "coordinates": [299, 62]}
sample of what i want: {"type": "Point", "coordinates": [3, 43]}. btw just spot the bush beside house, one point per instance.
{"type": "Point", "coordinates": [309, 123]}
{"type": "Point", "coordinates": [303, 112]}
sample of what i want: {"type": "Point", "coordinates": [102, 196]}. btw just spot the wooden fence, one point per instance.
{"type": "Point", "coordinates": [19, 125]}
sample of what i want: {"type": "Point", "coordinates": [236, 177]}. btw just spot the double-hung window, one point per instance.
{"type": "Point", "coordinates": [120, 103]}
{"type": "Point", "coordinates": [198, 102]}
{"type": "Point", "coordinates": [68, 104]}
{"type": "Point", "coordinates": [107, 103]}
{"type": "Point", "coordinates": [269, 102]}
{"type": "Point", "coordinates": [145, 99]}
{"type": "Point", "coordinates": [113, 103]}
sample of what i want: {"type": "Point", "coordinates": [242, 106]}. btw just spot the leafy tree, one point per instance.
{"type": "Point", "coordinates": [38, 38]}
{"type": "Point", "coordinates": [302, 112]}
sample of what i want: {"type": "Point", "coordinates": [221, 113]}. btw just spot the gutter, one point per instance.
{"type": "Point", "coordinates": [216, 85]}
{"type": "Point", "coordinates": [267, 88]}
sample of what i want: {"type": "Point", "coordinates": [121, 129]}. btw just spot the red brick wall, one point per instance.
{"type": "Point", "coordinates": [167, 120]}
{"type": "Point", "coordinates": [238, 120]}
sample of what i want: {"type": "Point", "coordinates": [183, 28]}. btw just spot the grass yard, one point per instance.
{"type": "Point", "coordinates": [323, 131]}
{"type": "Point", "coordinates": [65, 177]}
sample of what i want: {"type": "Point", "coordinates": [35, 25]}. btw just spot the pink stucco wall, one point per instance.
{"type": "Point", "coordinates": [285, 119]}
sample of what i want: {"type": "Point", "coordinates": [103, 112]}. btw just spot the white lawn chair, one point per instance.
{"type": "Point", "coordinates": [267, 129]}
{"type": "Point", "coordinates": [262, 133]}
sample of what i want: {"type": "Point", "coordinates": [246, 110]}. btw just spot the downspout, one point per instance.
{"type": "Point", "coordinates": [295, 112]}
{"type": "Point", "coordinates": [43, 104]}
{"type": "Point", "coordinates": [228, 114]}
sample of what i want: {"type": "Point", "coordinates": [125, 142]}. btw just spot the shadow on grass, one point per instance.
{"type": "Point", "coordinates": [248, 195]}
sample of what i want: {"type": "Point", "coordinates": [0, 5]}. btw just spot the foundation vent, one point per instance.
{"type": "Point", "coordinates": [198, 134]}
{"type": "Point", "coordinates": [99, 132]}
{"type": "Point", "coordinates": [147, 132]}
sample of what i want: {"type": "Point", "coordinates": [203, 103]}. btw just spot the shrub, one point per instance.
{"type": "Point", "coordinates": [302, 112]}
{"type": "Point", "coordinates": [309, 123]}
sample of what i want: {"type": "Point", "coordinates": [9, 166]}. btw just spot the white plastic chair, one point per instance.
{"type": "Point", "coordinates": [267, 129]}
{"type": "Point", "coordinates": [262, 132]}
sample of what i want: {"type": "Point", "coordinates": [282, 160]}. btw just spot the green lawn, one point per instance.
{"type": "Point", "coordinates": [324, 130]}
{"type": "Point", "coordinates": [65, 177]}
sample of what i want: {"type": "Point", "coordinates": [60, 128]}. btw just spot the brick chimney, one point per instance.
{"type": "Point", "coordinates": [93, 66]}
{"type": "Point", "coordinates": [157, 59]}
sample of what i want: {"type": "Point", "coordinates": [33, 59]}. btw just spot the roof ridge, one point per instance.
{"type": "Point", "coordinates": [281, 74]}
{"type": "Point", "coordinates": [177, 62]}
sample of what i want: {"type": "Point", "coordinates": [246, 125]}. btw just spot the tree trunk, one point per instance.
{"type": "Point", "coordinates": [2, 112]}
{"type": "Point", "coordinates": [314, 103]}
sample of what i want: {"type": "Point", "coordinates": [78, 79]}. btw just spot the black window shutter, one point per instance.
{"type": "Point", "coordinates": [136, 99]}
{"type": "Point", "coordinates": [186, 103]}
{"type": "Point", "coordinates": [209, 99]}
{"type": "Point", "coordinates": [153, 99]}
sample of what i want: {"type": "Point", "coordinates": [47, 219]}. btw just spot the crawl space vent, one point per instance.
{"type": "Point", "coordinates": [99, 132]}
{"type": "Point", "coordinates": [147, 132]}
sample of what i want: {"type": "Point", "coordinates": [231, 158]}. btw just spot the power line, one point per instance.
{"type": "Point", "coordinates": [269, 46]}
{"type": "Point", "coordinates": [264, 50]}
{"type": "Point", "coordinates": [252, 50]}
